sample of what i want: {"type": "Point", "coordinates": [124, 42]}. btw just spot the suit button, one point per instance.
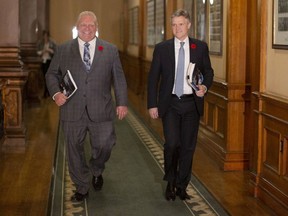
{"type": "Point", "coordinates": [84, 95]}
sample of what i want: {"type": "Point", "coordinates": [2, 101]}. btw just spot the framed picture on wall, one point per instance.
{"type": "Point", "coordinates": [280, 24]}
{"type": "Point", "coordinates": [215, 27]}
{"type": "Point", "coordinates": [155, 21]}
{"type": "Point", "coordinates": [133, 25]}
{"type": "Point", "coordinates": [200, 20]}
{"type": "Point", "coordinates": [189, 6]}
{"type": "Point", "coordinates": [150, 23]}
{"type": "Point", "coordinates": [159, 20]}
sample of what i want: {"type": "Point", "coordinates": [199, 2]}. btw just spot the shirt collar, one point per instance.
{"type": "Point", "coordinates": [186, 40]}
{"type": "Point", "coordinates": [92, 42]}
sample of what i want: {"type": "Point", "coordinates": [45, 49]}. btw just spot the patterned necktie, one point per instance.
{"type": "Point", "coordinates": [179, 83]}
{"type": "Point", "coordinates": [86, 57]}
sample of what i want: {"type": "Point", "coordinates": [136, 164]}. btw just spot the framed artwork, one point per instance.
{"type": "Point", "coordinates": [133, 25]}
{"type": "Point", "coordinates": [200, 20]}
{"type": "Point", "coordinates": [159, 20]}
{"type": "Point", "coordinates": [189, 6]}
{"type": "Point", "coordinates": [155, 21]}
{"type": "Point", "coordinates": [150, 23]}
{"type": "Point", "coordinates": [215, 27]}
{"type": "Point", "coordinates": [280, 24]}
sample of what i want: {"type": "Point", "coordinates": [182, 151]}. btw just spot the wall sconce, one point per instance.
{"type": "Point", "coordinates": [74, 32]}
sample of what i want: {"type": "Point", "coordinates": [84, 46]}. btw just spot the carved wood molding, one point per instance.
{"type": "Point", "coordinates": [13, 76]}
{"type": "Point", "coordinates": [269, 181]}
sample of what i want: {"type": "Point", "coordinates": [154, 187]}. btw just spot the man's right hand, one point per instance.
{"type": "Point", "coordinates": [153, 112]}
{"type": "Point", "coordinates": [60, 99]}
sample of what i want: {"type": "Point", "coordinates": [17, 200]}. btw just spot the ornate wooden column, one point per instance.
{"type": "Point", "coordinates": [223, 132]}
{"type": "Point", "coordinates": [236, 149]}
{"type": "Point", "coordinates": [12, 75]}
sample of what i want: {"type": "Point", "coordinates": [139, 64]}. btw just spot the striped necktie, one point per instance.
{"type": "Point", "coordinates": [86, 57]}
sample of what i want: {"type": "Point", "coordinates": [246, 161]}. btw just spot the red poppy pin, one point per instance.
{"type": "Point", "coordinates": [100, 48]}
{"type": "Point", "coordinates": [193, 46]}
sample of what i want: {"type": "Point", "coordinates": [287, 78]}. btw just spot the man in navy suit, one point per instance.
{"type": "Point", "coordinates": [95, 67]}
{"type": "Point", "coordinates": [180, 114]}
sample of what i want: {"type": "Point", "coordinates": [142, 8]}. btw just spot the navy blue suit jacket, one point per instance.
{"type": "Point", "coordinates": [162, 73]}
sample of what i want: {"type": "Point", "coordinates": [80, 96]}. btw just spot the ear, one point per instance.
{"type": "Point", "coordinates": [189, 25]}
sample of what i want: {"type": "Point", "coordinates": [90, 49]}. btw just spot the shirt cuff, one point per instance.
{"type": "Point", "coordinates": [53, 97]}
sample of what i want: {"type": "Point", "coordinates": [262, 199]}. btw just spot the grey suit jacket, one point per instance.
{"type": "Point", "coordinates": [94, 88]}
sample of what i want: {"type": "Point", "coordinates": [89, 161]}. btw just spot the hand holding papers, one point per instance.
{"type": "Point", "coordinates": [194, 76]}
{"type": "Point", "coordinates": [68, 85]}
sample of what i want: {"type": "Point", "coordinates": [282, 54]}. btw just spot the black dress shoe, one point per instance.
{"type": "Point", "coordinates": [170, 192]}
{"type": "Point", "coordinates": [97, 182]}
{"type": "Point", "coordinates": [78, 197]}
{"type": "Point", "coordinates": [182, 194]}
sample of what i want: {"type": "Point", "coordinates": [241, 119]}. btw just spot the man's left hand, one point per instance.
{"type": "Point", "coordinates": [202, 90]}
{"type": "Point", "coordinates": [121, 112]}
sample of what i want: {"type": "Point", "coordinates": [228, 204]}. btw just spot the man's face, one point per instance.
{"type": "Point", "coordinates": [86, 28]}
{"type": "Point", "coordinates": [180, 27]}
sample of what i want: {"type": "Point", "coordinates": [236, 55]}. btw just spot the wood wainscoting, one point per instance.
{"type": "Point", "coordinates": [269, 178]}
{"type": "Point", "coordinates": [222, 131]}
{"type": "Point", "coordinates": [136, 72]}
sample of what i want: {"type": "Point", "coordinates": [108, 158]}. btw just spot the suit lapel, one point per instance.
{"type": "Point", "coordinates": [76, 54]}
{"type": "Point", "coordinates": [192, 48]}
{"type": "Point", "coordinates": [171, 54]}
{"type": "Point", "coordinates": [75, 48]}
{"type": "Point", "coordinates": [98, 50]}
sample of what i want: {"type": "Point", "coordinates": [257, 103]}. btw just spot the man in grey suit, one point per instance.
{"type": "Point", "coordinates": [96, 68]}
{"type": "Point", "coordinates": [177, 104]}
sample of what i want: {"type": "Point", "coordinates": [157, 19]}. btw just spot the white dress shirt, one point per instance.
{"type": "Point", "coordinates": [91, 48]}
{"type": "Point", "coordinates": [187, 88]}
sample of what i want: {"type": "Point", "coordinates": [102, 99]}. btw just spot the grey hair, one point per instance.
{"type": "Point", "coordinates": [87, 13]}
{"type": "Point", "coordinates": [181, 12]}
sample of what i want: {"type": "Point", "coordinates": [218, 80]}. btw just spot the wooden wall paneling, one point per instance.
{"type": "Point", "coordinates": [34, 88]}
{"type": "Point", "coordinates": [171, 6]}
{"type": "Point", "coordinates": [252, 78]}
{"type": "Point", "coordinates": [212, 131]}
{"type": "Point", "coordinates": [225, 126]}
{"type": "Point", "coordinates": [146, 68]}
{"type": "Point", "coordinates": [33, 20]}
{"type": "Point", "coordinates": [236, 156]}
{"type": "Point", "coordinates": [142, 47]}
{"type": "Point", "coordinates": [14, 75]}
{"type": "Point", "coordinates": [258, 86]}
{"type": "Point", "coordinates": [272, 180]}
{"type": "Point", "coordinates": [255, 147]}
{"type": "Point", "coordinates": [285, 156]}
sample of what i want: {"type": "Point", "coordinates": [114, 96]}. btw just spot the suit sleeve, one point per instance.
{"type": "Point", "coordinates": [120, 85]}
{"type": "Point", "coordinates": [153, 79]}
{"type": "Point", "coordinates": [207, 71]}
{"type": "Point", "coordinates": [53, 76]}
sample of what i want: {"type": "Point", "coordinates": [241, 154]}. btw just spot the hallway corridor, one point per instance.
{"type": "Point", "coordinates": [133, 182]}
{"type": "Point", "coordinates": [26, 175]}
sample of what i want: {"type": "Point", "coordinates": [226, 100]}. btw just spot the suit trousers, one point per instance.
{"type": "Point", "coordinates": [180, 126]}
{"type": "Point", "coordinates": [102, 139]}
